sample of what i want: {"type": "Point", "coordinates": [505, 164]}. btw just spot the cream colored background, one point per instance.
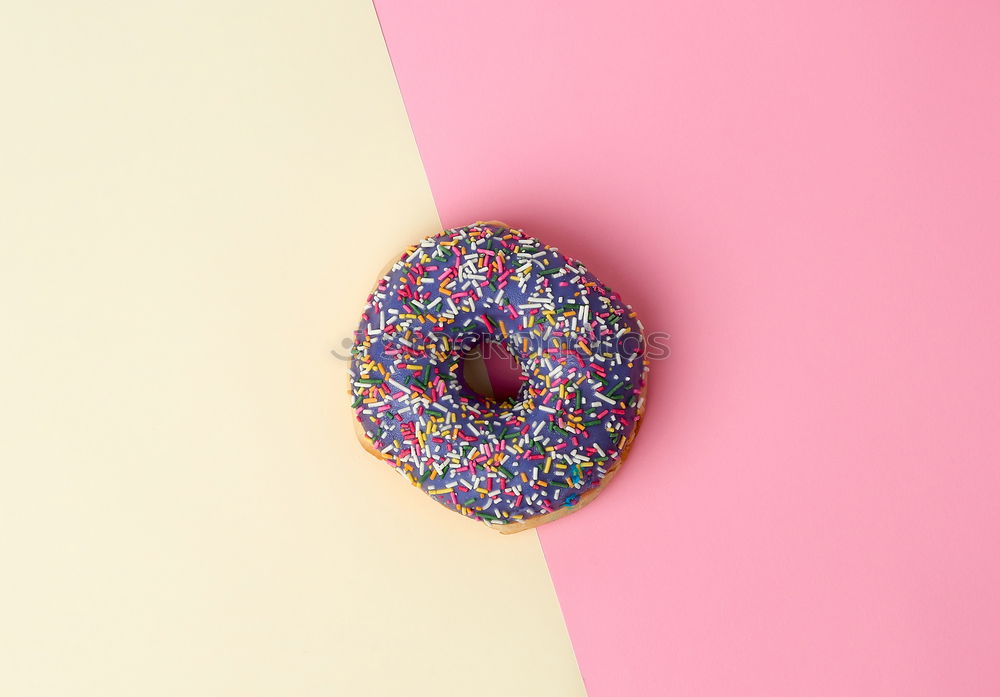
{"type": "Point", "coordinates": [195, 198]}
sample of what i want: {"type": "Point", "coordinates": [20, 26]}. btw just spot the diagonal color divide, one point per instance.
{"type": "Point", "coordinates": [197, 196]}
{"type": "Point", "coordinates": [804, 196]}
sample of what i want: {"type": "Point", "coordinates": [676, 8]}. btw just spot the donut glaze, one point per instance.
{"type": "Point", "coordinates": [507, 463]}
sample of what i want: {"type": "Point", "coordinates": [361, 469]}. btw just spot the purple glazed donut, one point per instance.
{"type": "Point", "coordinates": [512, 463]}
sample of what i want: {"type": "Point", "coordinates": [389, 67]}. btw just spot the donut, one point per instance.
{"type": "Point", "coordinates": [510, 463]}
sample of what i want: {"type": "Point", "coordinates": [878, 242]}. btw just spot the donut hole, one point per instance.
{"type": "Point", "coordinates": [491, 371]}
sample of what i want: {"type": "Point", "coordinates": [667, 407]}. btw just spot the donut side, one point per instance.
{"type": "Point", "coordinates": [585, 498]}
{"type": "Point", "coordinates": [535, 521]}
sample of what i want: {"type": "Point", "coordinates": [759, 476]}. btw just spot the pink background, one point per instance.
{"type": "Point", "coordinates": [806, 197]}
